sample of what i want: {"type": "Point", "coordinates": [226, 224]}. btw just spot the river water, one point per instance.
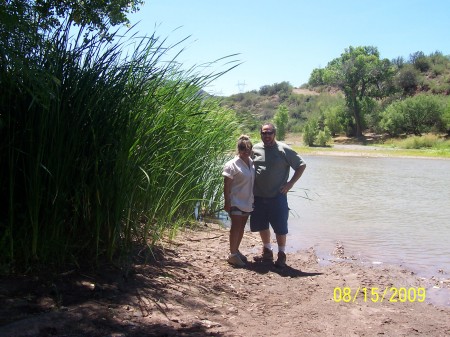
{"type": "Point", "coordinates": [382, 210]}
{"type": "Point", "coordinates": [393, 211]}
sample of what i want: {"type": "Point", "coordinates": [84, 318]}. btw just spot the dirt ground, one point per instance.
{"type": "Point", "coordinates": [188, 289]}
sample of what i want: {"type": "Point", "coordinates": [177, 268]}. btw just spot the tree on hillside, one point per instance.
{"type": "Point", "coordinates": [407, 79]}
{"type": "Point", "coordinates": [316, 78]}
{"type": "Point", "coordinates": [361, 75]}
{"type": "Point", "coordinates": [420, 61]}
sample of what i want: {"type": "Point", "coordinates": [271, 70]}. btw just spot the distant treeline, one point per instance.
{"type": "Point", "coordinates": [359, 92]}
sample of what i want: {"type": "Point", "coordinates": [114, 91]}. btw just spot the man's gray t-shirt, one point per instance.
{"type": "Point", "coordinates": [272, 165]}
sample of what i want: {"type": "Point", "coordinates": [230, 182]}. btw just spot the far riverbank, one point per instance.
{"type": "Point", "coordinates": [345, 146]}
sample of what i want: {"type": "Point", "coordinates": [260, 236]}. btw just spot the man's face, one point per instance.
{"type": "Point", "coordinates": [268, 135]}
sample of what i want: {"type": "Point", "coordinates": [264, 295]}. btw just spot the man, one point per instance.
{"type": "Point", "coordinates": [273, 161]}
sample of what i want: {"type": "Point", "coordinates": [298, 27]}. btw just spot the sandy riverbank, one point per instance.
{"type": "Point", "coordinates": [190, 290]}
{"type": "Point", "coordinates": [349, 147]}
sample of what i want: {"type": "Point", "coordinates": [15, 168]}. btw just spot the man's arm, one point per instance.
{"type": "Point", "coordinates": [296, 176]}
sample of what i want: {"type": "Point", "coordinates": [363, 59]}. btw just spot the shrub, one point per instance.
{"type": "Point", "coordinates": [446, 118]}
{"type": "Point", "coordinates": [392, 120]}
{"type": "Point", "coordinates": [437, 69]}
{"type": "Point", "coordinates": [323, 137]}
{"type": "Point", "coordinates": [414, 115]}
{"type": "Point", "coordinates": [283, 89]}
{"type": "Point", "coordinates": [310, 131]}
{"type": "Point", "coordinates": [333, 120]}
{"type": "Point", "coordinates": [416, 142]}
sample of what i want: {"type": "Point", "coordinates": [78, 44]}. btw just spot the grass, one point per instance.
{"type": "Point", "coordinates": [428, 141]}
{"type": "Point", "coordinates": [101, 150]}
{"type": "Point", "coordinates": [429, 145]}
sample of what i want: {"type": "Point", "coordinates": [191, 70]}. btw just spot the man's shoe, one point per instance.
{"type": "Point", "coordinates": [236, 261]}
{"type": "Point", "coordinates": [267, 255]}
{"type": "Point", "coordinates": [242, 256]}
{"type": "Point", "coordinates": [281, 261]}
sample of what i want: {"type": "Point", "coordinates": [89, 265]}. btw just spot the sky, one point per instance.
{"type": "Point", "coordinates": [273, 41]}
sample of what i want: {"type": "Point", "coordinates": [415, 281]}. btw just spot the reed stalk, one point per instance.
{"type": "Point", "coordinates": [101, 150]}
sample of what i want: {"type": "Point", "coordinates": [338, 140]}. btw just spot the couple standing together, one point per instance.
{"type": "Point", "coordinates": [256, 182]}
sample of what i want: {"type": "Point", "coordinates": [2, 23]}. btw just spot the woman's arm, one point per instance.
{"type": "Point", "coordinates": [227, 193]}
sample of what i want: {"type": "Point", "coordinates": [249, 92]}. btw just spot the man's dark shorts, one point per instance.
{"type": "Point", "coordinates": [273, 211]}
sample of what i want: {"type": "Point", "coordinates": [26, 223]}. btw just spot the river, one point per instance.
{"type": "Point", "coordinates": [382, 210]}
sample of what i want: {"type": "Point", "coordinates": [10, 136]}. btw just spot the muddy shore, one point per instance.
{"type": "Point", "coordinates": [188, 289]}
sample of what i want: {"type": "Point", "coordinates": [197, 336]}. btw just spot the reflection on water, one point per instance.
{"type": "Point", "coordinates": [388, 210]}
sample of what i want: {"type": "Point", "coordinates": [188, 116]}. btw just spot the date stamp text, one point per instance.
{"type": "Point", "coordinates": [378, 295]}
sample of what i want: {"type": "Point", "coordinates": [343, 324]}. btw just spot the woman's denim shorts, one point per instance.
{"type": "Point", "coordinates": [236, 211]}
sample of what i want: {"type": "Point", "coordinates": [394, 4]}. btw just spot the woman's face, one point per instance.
{"type": "Point", "coordinates": [245, 153]}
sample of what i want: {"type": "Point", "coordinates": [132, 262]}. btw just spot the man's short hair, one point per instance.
{"type": "Point", "coordinates": [271, 125]}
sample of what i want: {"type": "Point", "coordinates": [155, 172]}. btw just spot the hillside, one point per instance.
{"type": "Point", "coordinates": [422, 74]}
{"type": "Point", "coordinates": [306, 92]}
{"type": "Point", "coordinates": [252, 108]}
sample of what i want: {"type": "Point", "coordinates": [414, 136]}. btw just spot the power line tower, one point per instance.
{"type": "Point", "coordinates": [241, 86]}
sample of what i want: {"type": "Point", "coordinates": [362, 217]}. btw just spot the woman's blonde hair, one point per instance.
{"type": "Point", "coordinates": [244, 143]}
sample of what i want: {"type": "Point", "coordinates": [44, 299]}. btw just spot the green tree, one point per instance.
{"type": "Point", "coordinates": [50, 14]}
{"type": "Point", "coordinates": [281, 119]}
{"type": "Point", "coordinates": [25, 25]}
{"type": "Point", "coordinates": [316, 77]}
{"type": "Point", "coordinates": [420, 61]}
{"type": "Point", "coordinates": [407, 79]}
{"type": "Point", "coordinates": [361, 75]}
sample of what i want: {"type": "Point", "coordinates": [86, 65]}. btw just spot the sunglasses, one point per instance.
{"type": "Point", "coordinates": [270, 133]}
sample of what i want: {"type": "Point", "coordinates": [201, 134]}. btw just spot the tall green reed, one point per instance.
{"type": "Point", "coordinates": [101, 150]}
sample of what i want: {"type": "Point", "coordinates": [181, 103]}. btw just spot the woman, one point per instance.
{"type": "Point", "coordinates": [239, 175]}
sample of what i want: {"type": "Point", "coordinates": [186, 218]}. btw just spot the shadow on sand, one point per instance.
{"type": "Point", "coordinates": [266, 267]}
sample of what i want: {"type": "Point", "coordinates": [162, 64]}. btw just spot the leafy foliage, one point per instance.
{"type": "Point", "coordinates": [323, 137]}
{"type": "Point", "coordinates": [407, 78]}
{"type": "Point", "coordinates": [334, 119]}
{"type": "Point", "coordinates": [281, 120]}
{"type": "Point", "coordinates": [414, 115]}
{"type": "Point", "coordinates": [49, 14]}
{"type": "Point", "coordinates": [361, 75]}
{"type": "Point", "coordinates": [446, 118]}
{"type": "Point", "coordinates": [283, 89]}
{"type": "Point", "coordinates": [317, 77]}
{"type": "Point", "coordinates": [325, 104]}
{"type": "Point", "coordinates": [310, 132]}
